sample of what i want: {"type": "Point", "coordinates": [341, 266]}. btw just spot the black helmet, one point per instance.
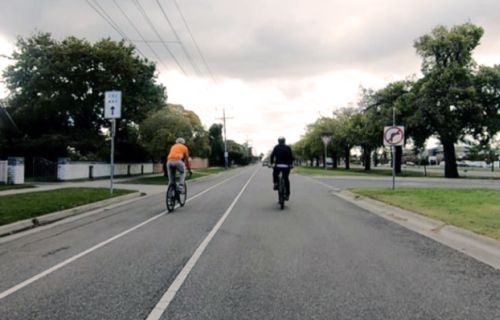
{"type": "Point", "coordinates": [281, 140]}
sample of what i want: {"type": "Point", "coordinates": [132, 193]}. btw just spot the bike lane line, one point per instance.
{"type": "Point", "coordinates": [169, 295]}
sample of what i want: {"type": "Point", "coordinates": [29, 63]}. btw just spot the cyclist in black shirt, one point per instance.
{"type": "Point", "coordinates": [282, 157]}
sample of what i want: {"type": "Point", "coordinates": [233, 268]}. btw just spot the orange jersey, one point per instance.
{"type": "Point", "coordinates": [178, 152]}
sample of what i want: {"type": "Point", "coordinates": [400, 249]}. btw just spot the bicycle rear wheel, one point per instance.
{"type": "Point", "coordinates": [183, 195]}
{"type": "Point", "coordinates": [170, 198]}
{"type": "Point", "coordinates": [281, 191]}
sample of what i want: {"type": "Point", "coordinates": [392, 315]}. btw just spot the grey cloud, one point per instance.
{"type": "Point", "coordinates": [261, 40]}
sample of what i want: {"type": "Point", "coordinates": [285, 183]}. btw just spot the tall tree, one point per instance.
{"type": "Point", "coordinates": [57, 94]}
{"type": "Point", "coordinates": [216, 145]}
{"type": "Point", "coordinates": [445, 94]}
{"type": "Point", "coordinates": [161, 128]}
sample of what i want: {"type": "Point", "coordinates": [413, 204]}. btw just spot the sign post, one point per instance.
{"type": "Point", "coordinates": [326, 140]}
{"type": "Point", "coordinates": [113, 111]}
{"type": "Point", "coordinates": [394, 136]}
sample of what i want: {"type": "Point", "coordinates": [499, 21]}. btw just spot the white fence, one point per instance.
{"type": "Point", "coordinates": [4, 171]}
{"type": "Point", "coordinates": [89, 170]}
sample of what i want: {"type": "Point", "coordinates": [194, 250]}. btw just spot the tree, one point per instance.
{"type": "Point", "coordinates": [57, 94]}
{"type": "Point", "coordinates": [487, 86]}
{"type": "Point", "coordinates": [445, 96]}
{"type": "Point", "coordinates": [161, 128]}
{"type": "Point", "coordinates": [343, 136]}
{"type": "Point", "coordinates": [216, 145]}
{"type": "Point", "coordinates": [399, 96]}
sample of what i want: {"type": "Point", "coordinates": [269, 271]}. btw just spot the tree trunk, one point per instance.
{"type": "Point", "coordinates": [399, 158]}
{"type": "Point", "coordinates": [450, 164]}
{"type": "Point", "coordinates": [347, 154]}
{"type": "Point", "coordinates": [334, 160]}
{"type": "Point", "coordinates": [375, 158]}
{"type": "Point", "coordinates": [367, 158]}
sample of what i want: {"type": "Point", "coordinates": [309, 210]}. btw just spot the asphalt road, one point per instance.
{"type": "Point", "coordinates": [320, 258]}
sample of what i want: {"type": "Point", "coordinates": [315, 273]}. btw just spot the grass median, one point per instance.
{"type": "Point", "coordinates": [358, 172]}
{"type": "Point", "coordinates": [22, 206]}
{"type": "Point", "coordinates": [162, 180]}
{"type": "Point", "coordinates": [477, 210]}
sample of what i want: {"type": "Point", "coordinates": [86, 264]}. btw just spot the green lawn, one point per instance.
{"type": "Point", "coordinates": [356, 172]}
{"type": "Point", "coordinates": [32, 204]}
{"type": "Point", "coordinates": [477, 210]}
{"type": "Point", "coordinates": [4, 187]}
{"type": "Point", "coordinates": [161, 180]}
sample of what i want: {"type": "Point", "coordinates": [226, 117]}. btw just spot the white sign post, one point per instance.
{"type": "Point", "coordinates": [394, 136]}
{"type": "Point", "coordinates": [113, 111]}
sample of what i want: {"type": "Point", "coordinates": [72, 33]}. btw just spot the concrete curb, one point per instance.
{"type": "Point", "coordinates": [482, 248]}
{"type": "Point", "coordinates": [56, 216]}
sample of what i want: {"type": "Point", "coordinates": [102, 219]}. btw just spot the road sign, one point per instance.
{"type": "Point", "coordinates": [394, 136]}
{"type": "Point", "coordinates": [113, 104]}
{"type": "Point", "coordinates": [326, 139]}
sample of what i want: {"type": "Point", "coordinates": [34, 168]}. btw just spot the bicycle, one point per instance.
{"type": "Point", "coordinates": [173, 194]}
{"type": "Point", "coordinates": [281, 190]}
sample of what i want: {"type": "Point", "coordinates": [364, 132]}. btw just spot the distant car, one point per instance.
{"type": "Point", "coordinates": [265, 163]}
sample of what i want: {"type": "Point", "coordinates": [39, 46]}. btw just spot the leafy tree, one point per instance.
{"type": "Point", "coordinates": [343, 135]}
{"type": "Point", "coordinates": [161, 128]}
{"type": "Point", "coordinates": [216, 145]}
{"type": "Point", "coordinates": [57, 95]}
{"type": "Point", "coordinates": [445, 96]}
{"type": "Point", "coordinates": [238, 154]}
{"type": "Point", "coordinates": [399, 96]}
{"type": "Point", "coordinates": [487, 86]}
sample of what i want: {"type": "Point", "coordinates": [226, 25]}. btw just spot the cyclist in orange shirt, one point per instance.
{"type": "Point", "coordinates": [178, 159]}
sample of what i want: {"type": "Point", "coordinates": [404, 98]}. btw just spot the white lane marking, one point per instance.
{"type": "Point", "coordinates": [58, 266]}
{"type": "Point", "coordinates": [165, 300]}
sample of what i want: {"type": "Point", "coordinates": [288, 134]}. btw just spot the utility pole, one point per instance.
{"type": "Point", "coordinates": [226, 155]}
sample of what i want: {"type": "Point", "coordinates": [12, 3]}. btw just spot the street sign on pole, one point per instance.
{"type": "Point", "coordinates": [113, 111]}
{"type": "Point", "coordinates": [394, 136]}
{"type": "Point", "coordinates": [326, 140]}
{"type": "Point", "coordinates": [113, 104]}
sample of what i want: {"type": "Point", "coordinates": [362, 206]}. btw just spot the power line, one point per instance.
{"type": "Point", "coordinates": [195, 43]}
{"type": "Point", "coordinates": [140, 34]}
{"type": "Point", "coordinates": [112, 23]}
{"type": "Point", "coordinates": [148, 20]}
{"type": "Point", "coordinates": [193, 64]}
{"type": "Point", "coordinates": [154, 41]}
{"type": "Point", "coordinates": [106, 18]}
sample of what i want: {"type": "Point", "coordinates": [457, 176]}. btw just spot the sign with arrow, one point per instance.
{"type": "Point", "coordinates": [113, 104]}
{"type": "Point", "coordinates": [394, 136]}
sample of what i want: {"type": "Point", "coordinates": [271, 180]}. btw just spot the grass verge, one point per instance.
{"type": "Point", "coordinates": [358, 172]}
{"type": "Point", "coordinates": [162, 180]}
{"type": "Point", "coordinates": [477, 210]}
{"type": "Point", "coordinates": [22, 206]}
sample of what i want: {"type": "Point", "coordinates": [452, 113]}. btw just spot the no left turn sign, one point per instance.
{"type": "Point", "coordinates": [394, 136]}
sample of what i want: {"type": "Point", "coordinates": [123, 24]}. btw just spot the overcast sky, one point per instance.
{"type": "Point", "coordinates": [277, 65]}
